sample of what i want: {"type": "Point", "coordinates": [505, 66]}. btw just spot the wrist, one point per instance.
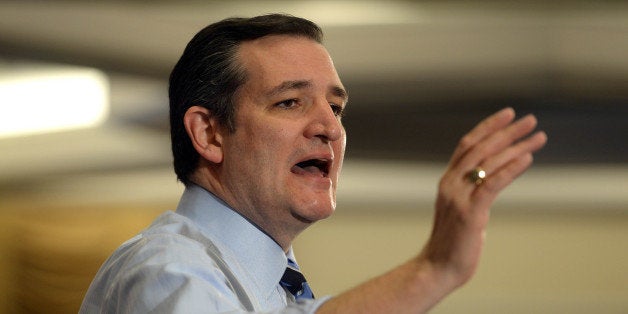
{"type": "Point", "coordinates": [433, 279]}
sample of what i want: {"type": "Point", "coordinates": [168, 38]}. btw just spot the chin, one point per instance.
{"type": "Point", "coordinates": [315, 213]}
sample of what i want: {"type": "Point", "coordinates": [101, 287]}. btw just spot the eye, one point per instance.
{"type": "Point", "coordinates": [338, 110]}
{"type": "Point", "coordinates": [288, 103]}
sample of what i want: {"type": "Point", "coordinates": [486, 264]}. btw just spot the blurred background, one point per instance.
{"type": "Point", "coordinates": [419, 75]}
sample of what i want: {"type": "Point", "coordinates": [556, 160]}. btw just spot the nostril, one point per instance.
{"type": "Point", "coordinates": [323, 138]}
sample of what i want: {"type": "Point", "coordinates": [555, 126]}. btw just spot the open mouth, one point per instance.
{"type": "Point", "coordinates": [312, 166]}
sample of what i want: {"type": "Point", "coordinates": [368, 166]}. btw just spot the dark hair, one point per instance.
{"type": "Point", "coordinates": [209, 75]}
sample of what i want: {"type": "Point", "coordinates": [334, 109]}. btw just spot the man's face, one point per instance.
{"type": "Point", "coordinates": [281, 165]}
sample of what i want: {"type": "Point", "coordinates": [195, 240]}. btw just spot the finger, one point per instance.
{"type": "Point", "coordinates": [486, 193]}
{"type": "Point", "coordinates": [485, 128]}
{"type": "Point", "coordinates": [508, 173]}
{"type": "Point", "coordinates": [496, 143]}
{"type": "Point", "coordinates": [529, 145]}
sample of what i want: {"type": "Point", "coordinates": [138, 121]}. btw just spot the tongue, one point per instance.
{"type": "Point", "coordinates": [313, 170]}
{"type": "Point", "coordinates": [307, 170]}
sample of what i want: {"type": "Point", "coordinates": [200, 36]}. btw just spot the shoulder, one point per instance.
{"type": "Point", "coordinates": [170, 239]}
{"type": "Point", "coordinates": [169, 264]}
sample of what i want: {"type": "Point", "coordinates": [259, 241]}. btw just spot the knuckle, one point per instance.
{"type": "Point", "coordinates": [446, 182]}
{"type": "Point", "coordinates": [466, 142]}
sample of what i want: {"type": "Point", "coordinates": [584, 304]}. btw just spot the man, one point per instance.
{"type": "Point", "coordinates": [256, 107]}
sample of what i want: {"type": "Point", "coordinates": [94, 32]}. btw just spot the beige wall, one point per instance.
{"type": "Point", "coordinates": [535, 261]}
{"type": "Point", "coordinates": [48, 255]}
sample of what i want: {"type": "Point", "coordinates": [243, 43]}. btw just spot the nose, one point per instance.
{"type": "Point", "coordinates": [324, 123]}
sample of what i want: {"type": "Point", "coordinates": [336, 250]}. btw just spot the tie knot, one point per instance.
{"type": "Point", "coordinates": [295, 282]}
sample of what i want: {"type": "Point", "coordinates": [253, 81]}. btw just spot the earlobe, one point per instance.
{"type": "Point", "coordinates": [204, 132]}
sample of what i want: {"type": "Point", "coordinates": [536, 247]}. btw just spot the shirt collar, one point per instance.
{"type": "Point", "coordinates": [248, 250]}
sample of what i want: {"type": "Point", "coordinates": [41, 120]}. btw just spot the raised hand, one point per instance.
{"type": "Point", "coordinates": [502, 148]}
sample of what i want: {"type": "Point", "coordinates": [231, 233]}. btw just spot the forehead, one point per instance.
{"type": "Point", "coordinates": [271, 60]}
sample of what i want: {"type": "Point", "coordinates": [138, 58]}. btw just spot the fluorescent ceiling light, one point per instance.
{"type": "Point", "coordinates": [42, 99]}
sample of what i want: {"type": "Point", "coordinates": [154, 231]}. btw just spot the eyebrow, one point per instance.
{"type": "Point", "coordinates": [340, 92]}
{"type": "Point", "coordinates": [289, 85]}
{"type": "Point", "coordinates": [304, 84]}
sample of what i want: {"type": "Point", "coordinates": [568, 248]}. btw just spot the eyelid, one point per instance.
{"type": "Point", "coordinates": [293, 101]}
{"type": "Point", "coordinates": [339, 110]}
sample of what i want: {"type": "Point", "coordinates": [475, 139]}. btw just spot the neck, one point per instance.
{"type": "Point", "coordinates": [279, 231]}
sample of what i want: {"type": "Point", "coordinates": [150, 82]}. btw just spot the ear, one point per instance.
{"type": "Point", "coordinates": [204, 132]}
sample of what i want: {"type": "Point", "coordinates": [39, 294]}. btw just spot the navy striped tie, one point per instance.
{"type": "Point", "coordinates": [295, 282]}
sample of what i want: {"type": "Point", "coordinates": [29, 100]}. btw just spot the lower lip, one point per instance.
{"type": "Point", "coordinates": [319, 181]}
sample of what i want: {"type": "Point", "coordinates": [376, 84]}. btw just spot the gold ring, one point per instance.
{"type": "Point", "coordinates": [477, 176]}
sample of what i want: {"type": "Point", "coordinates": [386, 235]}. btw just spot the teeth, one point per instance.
{"type": "Point", "coordinates": [314, 166]}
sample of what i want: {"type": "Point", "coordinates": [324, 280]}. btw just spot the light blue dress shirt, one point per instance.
{"type": "Point", "coordinates": [203, 258]}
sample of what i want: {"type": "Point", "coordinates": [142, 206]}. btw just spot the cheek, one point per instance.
{"type": "Point", "coordinates": [339, 149]}
{"type": "Point", "coordinates": [268, 146]}
{"type": "Point", "coordinates": [342, 144]}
